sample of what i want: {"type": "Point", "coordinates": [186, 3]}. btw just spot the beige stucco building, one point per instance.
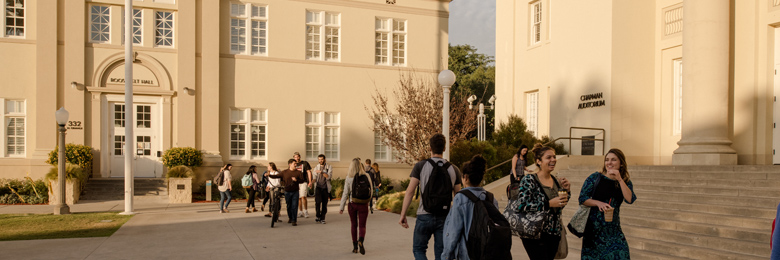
{"type": "Point", "coordinates": [618, 66]}
{"type": "Point", "coordinates": [247, 82]}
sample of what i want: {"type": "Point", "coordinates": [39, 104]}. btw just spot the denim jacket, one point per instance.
{"type": "Point", "coordinates": [458, 223]}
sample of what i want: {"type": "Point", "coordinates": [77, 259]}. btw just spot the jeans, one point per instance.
{"type": "Point", "coordinates": [358, 213]}
{"type": "Point", "coordinates": [224, 196]}
{"type": "Point", "coordinates": [251, 199]}
{"type": "Point", "coordinates": [292, 205]}
{"type": "Point", "coordinates": [321, 202]}
{"type": "Point", "coordinates": [427, 225]}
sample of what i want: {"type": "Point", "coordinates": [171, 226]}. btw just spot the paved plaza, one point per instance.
{"type": "Point", "coordinates": [199, 231]}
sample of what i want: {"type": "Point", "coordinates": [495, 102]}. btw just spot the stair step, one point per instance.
{"type": "Point", "coordinates": [575, 245]}
{"type": "Point", "coordinates": [732, 246]}
{"type": "Point", "coordinates": [765, 213]}
{"type": "Point", "coordinates": [763, 203]}
{"type": "Point", "coordinates": [110, 188]}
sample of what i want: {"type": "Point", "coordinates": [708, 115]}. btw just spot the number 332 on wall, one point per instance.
{"type": "Point", "coordinates": [74, 125]}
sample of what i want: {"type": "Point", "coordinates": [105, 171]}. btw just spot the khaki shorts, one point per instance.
{"type": "Point", "coordinates": [303, 190]}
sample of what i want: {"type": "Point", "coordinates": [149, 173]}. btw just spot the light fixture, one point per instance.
{"type": "Point", "coordinates": [446, 78]}
{"type": "Point", "coordinates": [471, 100]}
{"type": "Point", "coordinates": [62, 116]}
{"type": "Point", "coordinates": [190, 91]}
{"type": "Point", "coordinates": [492, 101]}
{"type": "Point", "coordinates": [76, 85]}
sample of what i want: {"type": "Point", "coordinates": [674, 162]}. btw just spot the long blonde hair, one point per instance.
{"type": "Point", "coordinates": [355, 167]}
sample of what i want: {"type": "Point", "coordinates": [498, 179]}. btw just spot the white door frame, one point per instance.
{"type": "Point", "coordinates": [775, 105]}
{"type": "Point", "coordinates": [106, 130]}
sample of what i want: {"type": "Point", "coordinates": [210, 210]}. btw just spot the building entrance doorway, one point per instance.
{"type": "Point", "coordinates": [147, 119]}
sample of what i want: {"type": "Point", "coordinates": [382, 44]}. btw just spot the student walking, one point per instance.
{"type": "Point", "coordinates": [378, 181]}
{"type": "Point", "coordinates": [518, 164]}
{"type": "Point", "coordinates": [303, 192]}
{"type": "Point", "coordinates": [372, 173]}
{"type": "Point", "coordinates": [476, 231]}
{"type": "Point", "coordinates": [358, 189]}
{"type": "Point", "coordinates": [434, 176]}
{"type": "Point", "coordinates": [606, 191]}
{"type": "Point", "coordinates": [539, 192]}
{"type": "Point", "coordinates": [252, 189]}
{"type": "Point", "coordinates": [271, 170]}
{"type": "Point", "coordinates": [225, 188]}
{"type": "Point", "coordinates": [290, 178]}
{"type": "Point", "coordinates": [322, 176]}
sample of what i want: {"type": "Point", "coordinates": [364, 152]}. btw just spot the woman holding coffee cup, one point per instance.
{"type": "Point", "coordinates": [544, 192]}
{"type": "Point", "coordinates": [604, 192]}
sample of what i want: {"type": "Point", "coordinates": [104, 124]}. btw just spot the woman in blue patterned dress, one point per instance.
{"type": "Point", "coordinates": [606, 190]}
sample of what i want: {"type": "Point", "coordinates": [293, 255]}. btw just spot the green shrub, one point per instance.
{"type": "Point", "coordinates": [385, 189]}
{"type": "Point", "coordinates": [30, 191]}
{"type": "Point", "coordinates": [394, 202]}
{"type": "Point", "coordinates": [180, 171]}
{"type": "Point", "coordinates": [405, 184]}
{"type": "Point", "coordinates": [74, 172]}
{"type": "Point", "coordinates": [77, 154]}
{"type": "Point", "coordinates": [186, 156]}
{"type": "Point", "coordinates": [238, 191]}
{"type": "Point", "coordinates": [336, 187]}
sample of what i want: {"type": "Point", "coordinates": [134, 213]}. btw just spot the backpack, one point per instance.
{"type": "Point", "coordinates": [246, 181]}
{"type": "Point", "coordinates": [437, 196]}
{"type": "Point", "coordinates": [361, 189]}
{"type": "Point", "coordinates": [219, 180]}
{"type": "Point", "coordinates": [490, 236]}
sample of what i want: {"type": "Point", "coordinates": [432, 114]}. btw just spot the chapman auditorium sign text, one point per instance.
{"type": "Point", "coordinates": [592, 100]}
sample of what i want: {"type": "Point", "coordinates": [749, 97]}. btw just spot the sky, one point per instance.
{"type": "Point", "coordinates": [473, 22]}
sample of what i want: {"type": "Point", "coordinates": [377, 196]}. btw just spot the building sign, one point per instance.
{"type": "Point", "coordinates": [74, 125]}
{"type": "Point", "coordinates": [142, 76]}
{"type": "Point", "coordinates": [135, 81]}
{"type": "Point", "coordinates": [588, 146]}
{"type": "Point", "coordinates": [592, 100]}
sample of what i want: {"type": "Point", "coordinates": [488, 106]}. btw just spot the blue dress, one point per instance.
{"type": "Point", "coordinates": [604, 240]}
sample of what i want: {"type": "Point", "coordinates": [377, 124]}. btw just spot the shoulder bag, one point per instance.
{"type": "Point", "coordinates": [580, 219]}
{"type": "Point", "coordinates": [526, 224]}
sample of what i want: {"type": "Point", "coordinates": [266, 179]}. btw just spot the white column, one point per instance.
{"type": "Point", "coordinates": [705, 120]}
{"type": "Point", "coordinates": [129, 125]}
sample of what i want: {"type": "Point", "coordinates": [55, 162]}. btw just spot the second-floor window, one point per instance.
{"type": "Point", "coordinates": [323, 35]}
{"type": "Point", "coordinates": [390, 41]}
{"type": "Point", "coordinates": [249, 26]}
{"type": "Point", "coordinates": [163, 34]}
{"type": "Point", "coordinates": [138, 24]}
{"type": "Point", "coordinates": [14, 18]}
{"type": "Point", "coordinates": [536, 22]}
{"type": "Point", "coordinates": [99, 24]}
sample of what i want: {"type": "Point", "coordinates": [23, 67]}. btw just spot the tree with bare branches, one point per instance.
{"type": "Point", "coordinates": [416, 115]}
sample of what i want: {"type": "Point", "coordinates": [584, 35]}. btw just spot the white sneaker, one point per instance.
{"type": "Point", "coordinates": [306, 214]}
{"type": "Point", "coordinates": [300, 213]}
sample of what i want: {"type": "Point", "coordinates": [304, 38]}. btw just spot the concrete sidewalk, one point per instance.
{"type": "Point", "coordinates": [199, 231]}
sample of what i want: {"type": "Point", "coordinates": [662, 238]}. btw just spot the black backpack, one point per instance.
{"type": "Point", "coordinates": [437, 196]}
{"type": "Point", "coordinates": [219, 180]}
{"type": "Point", "coordinates": [490, 236]}
{"type": "Point", "coordinates": [361, 189]}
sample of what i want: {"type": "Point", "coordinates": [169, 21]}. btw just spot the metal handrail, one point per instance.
{"type": "Point", "coordinates": [603, 143]}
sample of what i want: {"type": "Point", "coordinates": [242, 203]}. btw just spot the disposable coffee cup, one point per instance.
{"type": "Point", "coordinates": [562, 193]}
{"type": "Point", "coordinates": [608, 214]}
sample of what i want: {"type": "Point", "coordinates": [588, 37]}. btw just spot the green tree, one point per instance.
{"type": "Point", "coordinates": [475, 75]}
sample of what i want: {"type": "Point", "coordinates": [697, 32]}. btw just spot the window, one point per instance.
{"type": "Point", "coordinates": [100, 24]}
{"type": "Point", "coordinates": [143, 116]}
{"type": "Point", "coordinates": [677, 109]}
{"type": "Point", "coordinates": [248, 128]}
{"type": "Point", "coordinates": [137, 27]}
{"type": "Point", "coordinates": [14, 128]}
{"type": "Point", "coordinates": [536, 22]}
{"type": "Point", "coordinates": [119, 115]}
{"type": "Point", "coordinates": [14, 18]}
{"type": "Point", "coordinates": [532, 112]}
{"type": "Point", "coordinates": [322, 134]}
{"type": "Point", "coordinates": [318, 32]}
{"type": "Point", "coordinates": [163, 35]}
{"type": "Point", "coordinates": [387, 29]}
{"type": "Point", "coordinates": [119, 145]}
{"type": "Point", "coordinates": [257, 22]}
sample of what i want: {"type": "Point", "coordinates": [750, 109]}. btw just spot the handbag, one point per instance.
{"type": "Point", "coordinates": [563, 246]}
{"type": "Point", "coordinates": [580, 219]}
{"type": "Point", "coordinates": [525, 224]}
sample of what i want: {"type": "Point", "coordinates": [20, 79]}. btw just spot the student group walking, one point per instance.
{"type": "Point", "coordinates": [462, 217]}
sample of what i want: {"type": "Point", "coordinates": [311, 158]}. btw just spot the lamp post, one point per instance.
{"type": "Point", "coordinates": [446, 79]}
{"type": "Point", "coordinates": [62, 118]}
{"type": "Point", "coordinates": [481, 117]}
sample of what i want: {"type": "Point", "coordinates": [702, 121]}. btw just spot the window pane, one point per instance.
{"type": "Point", "coordinates": [100, 28]}
{"type": "Point", "coordinates": [164, 29]}
{"type": "Point", "coordinates": [238, 35]}
{"type": "Point", "coordinates": [313, 41]}
{"type": "Point", "coordinates": [15, 135]}
{"type": "Point", "coordinates": [14, 23]}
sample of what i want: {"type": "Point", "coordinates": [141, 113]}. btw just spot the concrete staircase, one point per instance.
{"type": "Point", "coordinates": [694, 212]}
{"type": "Point", "coordinates": [146, 189]}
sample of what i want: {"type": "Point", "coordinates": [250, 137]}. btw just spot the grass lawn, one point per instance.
{"type": "Point", "coordinates": [36, 226]}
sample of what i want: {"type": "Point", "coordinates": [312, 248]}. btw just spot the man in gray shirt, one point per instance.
{"type": "Point", "coordinates": [428, 224]}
